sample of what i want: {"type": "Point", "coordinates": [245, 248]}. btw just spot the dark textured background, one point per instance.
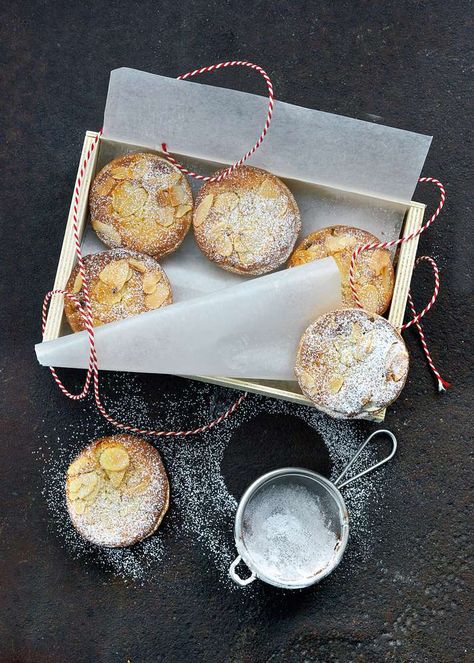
{"type": "Point", "coordinates": [409, 64]}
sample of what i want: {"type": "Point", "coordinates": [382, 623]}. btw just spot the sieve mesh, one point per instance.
{"type": "Point", "coordinates": [292, 528]}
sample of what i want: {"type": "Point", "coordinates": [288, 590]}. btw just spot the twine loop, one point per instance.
{"type": "Point", "coordinates": [442, 384]}
{"type": "Point", "coordinates": [230, 169]}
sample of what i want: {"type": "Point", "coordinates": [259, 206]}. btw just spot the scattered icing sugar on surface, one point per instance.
{"type": "Point", "coordinates": [202, 509]}
{"type": "Point", "coordinates": [286, 533]}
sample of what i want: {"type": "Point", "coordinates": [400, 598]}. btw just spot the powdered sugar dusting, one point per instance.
{"type": "Point", "coordinates": [131, 298]}
{"type": "Point", "coordinates": [120, 515]}
{"type": "Point", "coordinates": [350, 363]}
{"type": "Point", "coordinates": [250, 232]}
{"type": "Point", "coordinates": [146, 202]}
{"type": "Point", "coordinates": [202, 509]}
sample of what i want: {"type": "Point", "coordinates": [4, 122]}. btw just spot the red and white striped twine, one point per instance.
{"type": "Point", "coordinates": [230, 169]}
{"type": "Point", "coordinates": [85, 309]}
{"type": "Point", "coordinates": [442, 384]}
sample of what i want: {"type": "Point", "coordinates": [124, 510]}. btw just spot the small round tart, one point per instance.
{"type": "Point", "coordinates": [351, 363]}
{"type": "Point", "coordinates": [141, 202]}
{"type": "Point", "coordinates": [121, 283]}
{"type": "Point", "coordinates": [374, 275]}
{"type": "Point", "coordinates": [248, 222]}
{"type": "Point", "coordinates": [117, 491]}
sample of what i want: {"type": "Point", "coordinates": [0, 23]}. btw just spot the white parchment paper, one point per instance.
{"type": "Point", "coordinates": [341, 171]}
{"type": "Point", "coordinates": [251, 329]}
{"type": "Point", "coordinates": [218, 124]}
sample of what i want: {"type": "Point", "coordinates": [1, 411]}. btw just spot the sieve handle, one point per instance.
{"type": "Point", "coordinates": [235, 577]}
{"type": "Point", "coordinates": [372, 467]}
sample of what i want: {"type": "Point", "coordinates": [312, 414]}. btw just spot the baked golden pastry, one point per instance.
{"type": "Point", "coordinates": [117, 491]}
{"type": "Point", "coordinates": [141, 202]}
{"type": "Point", "coordinates": [248, 222]}
{"type": "Point", "coordinates": [374, 271]}
{"type": "Point", "coordinates": [351, 363]}
{"type": "Point", "coordinates": [121, 283]}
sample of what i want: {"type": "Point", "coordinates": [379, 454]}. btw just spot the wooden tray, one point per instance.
{"type": "Point", "coordinates": [286, 390]}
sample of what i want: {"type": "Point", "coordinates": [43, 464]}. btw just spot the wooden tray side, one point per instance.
{"type": "Point", "coordinates": [68, 252]}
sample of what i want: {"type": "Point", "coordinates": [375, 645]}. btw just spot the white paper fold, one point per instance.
{"type": "Point", "coordinates": [218, 124]}
{"type": "Point", "coordinates": [250, 330]}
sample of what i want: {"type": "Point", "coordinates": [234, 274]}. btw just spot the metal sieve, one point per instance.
{"type": "Point", "coordinates": [326, 494]}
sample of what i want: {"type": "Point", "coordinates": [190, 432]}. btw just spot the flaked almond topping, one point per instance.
{"type": "Point", "coordinates": [174, 177]}
{"type": "Point", "coordinates": [379, 261]}
{"type": "Point", "coordinates": [369, 295]}
{"type": "Point", "coordinates": [223, 245]}
{"type": "Point", "coordinates": [203, 210]}
{"type": "Point", "coordinates": [137, 488]}
{"type": "Point", "coordinates": [150, 281]}
{"type": "Point", "coordinates": [302, 257]}
{"type": "Point", "coordinates": [83, 485]}
{"type": "Point", "coordinates": [246, 258]}
{"type": "Point", "coordinates": [79, 507]}
{"type": "Point", "coordinates": [346, 356]}
{"type": "Point", "coordinates": [226, 201]}
{"type": "Point", "coordinates": [130, 274]}
{"type": "Point", "coordinates": [122, 173]}
{"type": "Point", "coordinates": [166, 217]}
{"type": "Point", "coordinates": [158, 297]}
{"type": "Point", "coordinates": [242, 243]}
{"type": "Point", "coordinates": [80, 466]}
{"type": "Point", "coordinates": [163, 197]}
{"type": "Point", "coordinates": [358, 354]}
{"type": "Point", "coordinates": [138, 265]}
{"type": "Point", "coordinates": [115, 274]}
{"type": "Point", "coordinates": [396, 369]}
{"type": "Point", "coordinates": [281, 207]}
{"type": "Point", "coordinates": [368, 342]}
{"type": "Point", "coordinates": [307, 380]}
{"type": "Point", "coordinates": [268, 189]}
{"type": "Point", "coordinates": [335, 384]}
{"type": "Point", "coordinates": [105, 187]}
{"type": "Point", "coordinates": [371, 407]}
{"type": "Point", "coordinates": [128, 198]}
{"type": "Point", "coordinates": [106, 294]}
{"type": "Point", "coordinates": [77, 283]}
{"type": "Point", "coordinates": [111, 235]}
{"type": "Point", "coordinates": [114, 459]}
{"type": "Point", "coordinates": [116, 478]}
{"type": "Point", "coordinates": [178, 195]}
{"type": "Point", "coordinates": [182, 210]}
{"type": "Point", "coordinates": [336, 244]}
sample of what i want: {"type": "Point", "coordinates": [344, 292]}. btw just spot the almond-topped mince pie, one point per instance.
{"type": "Point", "coordinates": [246, 223]}
{"type": "Point", "coordinates": [351, 363]}
{"type": "Point", "coordinates": [374, 275]}
{"type": "Point", "coordinates": [121, 283]}
{"type": "Point", "coordinates": [117, 491]}
{"type": "Point", "coordinates": [141, 202]}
